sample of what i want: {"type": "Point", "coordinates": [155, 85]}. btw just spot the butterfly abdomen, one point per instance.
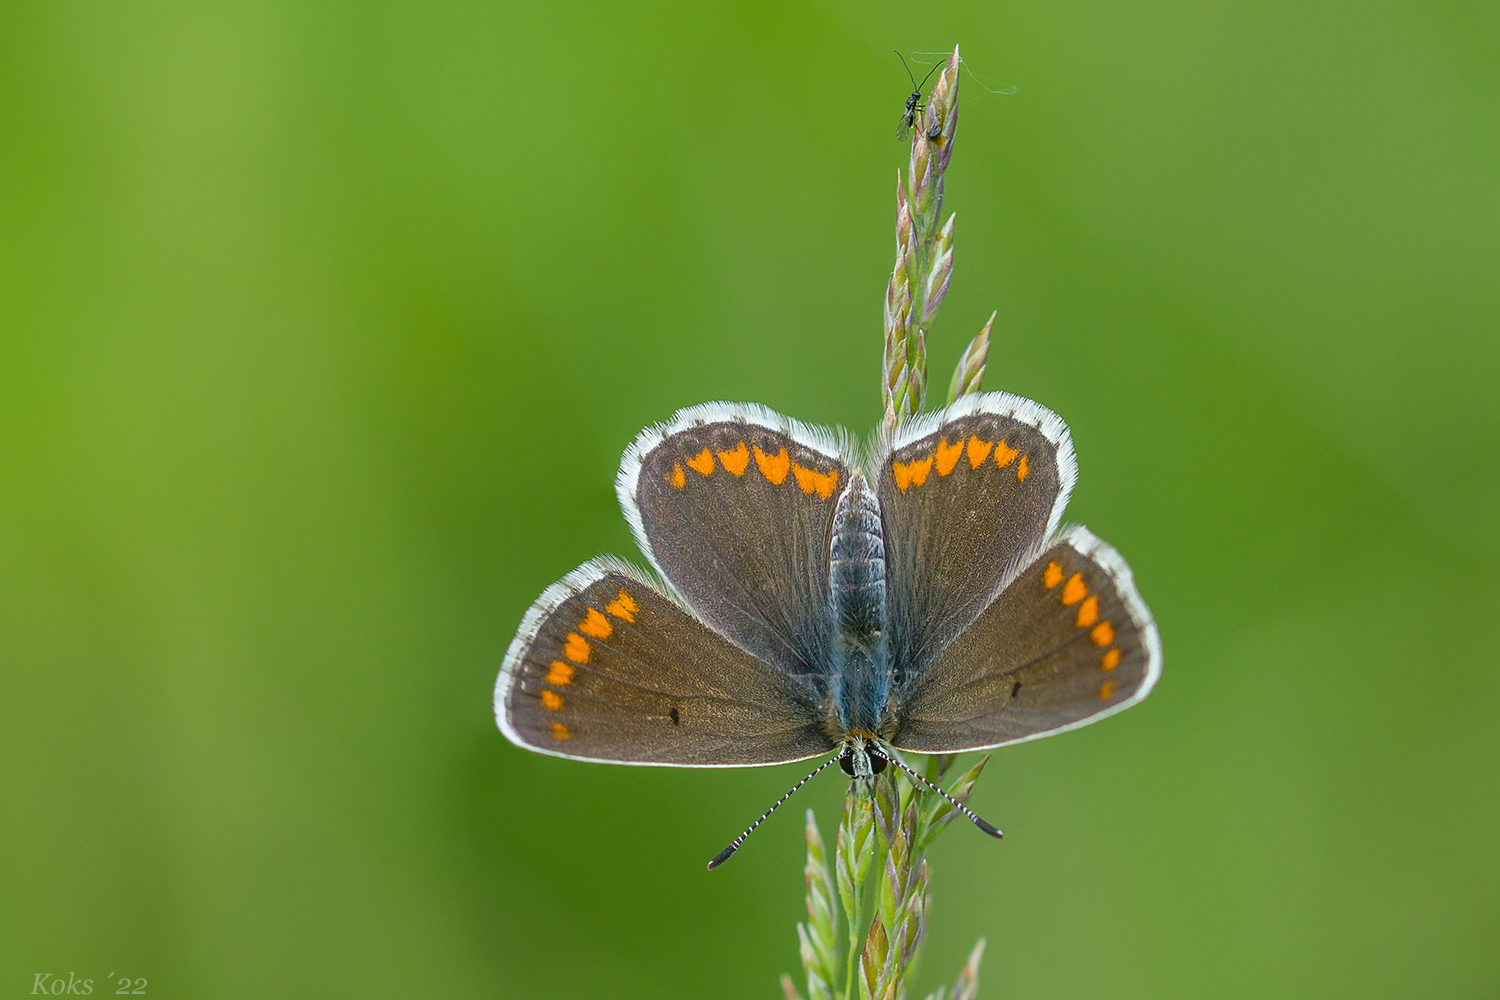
{"type": "Point", "coordinates": [856, 571]}
{"type": "Point", "coordinates": [856, 596]}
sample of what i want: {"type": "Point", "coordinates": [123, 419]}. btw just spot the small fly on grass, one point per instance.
{"type": "Point", "coordinates": [914, 105]}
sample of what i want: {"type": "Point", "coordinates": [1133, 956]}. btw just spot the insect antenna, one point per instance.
{"type": "Point", "coordinates": [956, 804]}
{"type": "Point", "coordinates": [915, 86]}
{"type": "Point", "coordinates": [725, 854]}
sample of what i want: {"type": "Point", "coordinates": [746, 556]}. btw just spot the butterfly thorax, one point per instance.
{"type": "Point", "coordinates": [857, 604]}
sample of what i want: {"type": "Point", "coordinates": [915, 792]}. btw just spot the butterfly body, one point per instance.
{"type": "Point", "coordinates": [862, 675]}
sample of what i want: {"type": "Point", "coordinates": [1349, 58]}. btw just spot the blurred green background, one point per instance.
{"type": "Point", "coordinates": [322, 328]}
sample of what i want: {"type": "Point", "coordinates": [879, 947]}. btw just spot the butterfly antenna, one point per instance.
{"type": "Point", "coordinates": [956, 804]}
{"type": "Point", "coordinates": [725, 854]}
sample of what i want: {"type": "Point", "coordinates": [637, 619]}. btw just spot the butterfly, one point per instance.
{"type": "Point", "coordinates": [809, 600]}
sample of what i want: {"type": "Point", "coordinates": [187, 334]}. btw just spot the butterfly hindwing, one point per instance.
{"type": "Point", "coordinates": [607, 668]}
{"type": "Point", "coordinates": [967, 495]}
{"type": "Point", "coordinates": [1068, 642]}
{"type": "Point", "coordinates": [734, 506]}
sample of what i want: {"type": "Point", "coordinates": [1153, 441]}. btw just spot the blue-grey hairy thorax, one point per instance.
{"type": "Point", "coordinates": [856, 598]}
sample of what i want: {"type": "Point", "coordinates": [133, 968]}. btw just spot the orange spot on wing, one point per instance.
{"type": "Point", "coordinates": [551, 701]}
{"type": "Point", "coordinates": [576, 648]}
{"type": "Point", "coordinates": [813, 481]}
{"type": "Point", "coordinates": [702, 463]}
{"type": "Point", "coordinates": [1004, 454]}
{"type": "Point", "coordinates": [1023, 470]}
{"type": "Point", "coordinates": [1088, 612]}
{"type": "Point", "coordinates": [560, 732]}
{"type": "Point", "coordinates": [677, 479]}
{"type": "Point", "coordinates": [623, 608]}
{"type": "Point", "coordinates": [1103, 634]}
{"type": "Point", "coordinates": [918, 470]}
{"type": "Point", "coordinates": [736, 461]}
{"type": "Point", "coordinates": [596, 625]}
{"type": "Point", "coordinates": [902, 474]}
{"type": "Point", "coordinates": [978, 452]}
{"type": "Point", "coordinates": [1053, 576]}
{"type": "Point", "coordinates": [773, 467]}
{"type": "Point", "coordinates": [1074, 590]}
{"type": "Point", "coordinates": [1111, 659]}
{"type": "Point", "coordinates": [1106, 690]}
{"type": "Point", "coordinates": [560, 674]}
{"type": "Point", "coordinates": [946, 455]}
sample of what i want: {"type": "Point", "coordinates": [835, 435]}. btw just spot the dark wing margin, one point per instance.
{"type": "Point", "coordinates": [1069, 642]}
{"type": "Point", "coordinates": [733, 504]}
{"type": "Point", "coordinates": [967, 494]}
{"type": "Point", "coordinates": [606, 668]}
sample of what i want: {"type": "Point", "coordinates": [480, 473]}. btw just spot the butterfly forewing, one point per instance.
{"type": "Point", "coordinates": [1068, 642]}
{"type": "Point", "coordinates": [967, 496]}
{"type": "Point", "coordinates": [607, 668]}
{"type": "Point", "coordinates": [734, 505]}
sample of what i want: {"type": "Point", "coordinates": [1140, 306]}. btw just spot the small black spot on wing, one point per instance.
{"type": "Point", "coordinates": [673, 714]}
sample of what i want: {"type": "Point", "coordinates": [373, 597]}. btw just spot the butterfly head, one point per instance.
{"type": "Point", "coordinates": [862, 757]}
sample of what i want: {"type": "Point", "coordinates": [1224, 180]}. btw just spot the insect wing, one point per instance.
{"type": "Point", "coordinates": [967, 496]}
{"type": "Point", "coordinates": [903, 128]}
{"type": "Point", "coordinates": [1068, 642]}
{"type": "Point", "coordinates": [734, 505]}
{"type": "Point", "coordinates": [607, 668]}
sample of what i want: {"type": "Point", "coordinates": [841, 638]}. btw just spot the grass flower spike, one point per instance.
{"type": "Point", "coordinates": [817, 936]}
{"type": "Point", "coordinates": [924, 251]}
{"type": "Point", "coordinates": [884, 890]}
{"type": "Point", "coordinates": [924, 262]}
{"type": "Point", "coordinates": [969, 371]}
{"type": "Point", "coordinates": [863, 939]}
